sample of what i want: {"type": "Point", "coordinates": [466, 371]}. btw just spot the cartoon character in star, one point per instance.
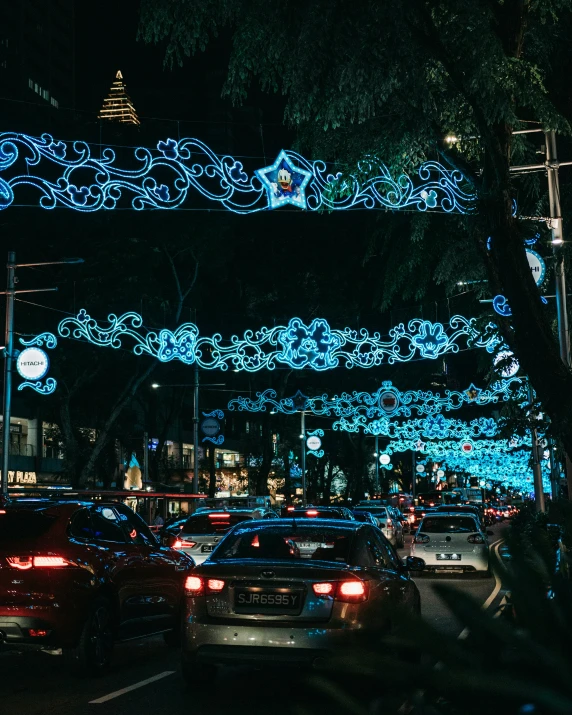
{"type": "Point", "coordinates": [287, 182]}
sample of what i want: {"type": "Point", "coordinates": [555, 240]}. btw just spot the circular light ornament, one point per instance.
{"type": "Point", "coordinates": [389, 401]}
{"type": "Point", "coordinates": [511, 367]}
{"type": "Point", "coordinates": [420, 468]}
{"type": "Point", "coordinates": [314, 443]}
{"type": "Point", "coordinates": [467, 447]}
{"type": "Point", "coordinates": [32, 364]}
{"type": "Point", "coordinates": [440, 473]}
{"type": "Point", "coordinates": [384, 459]}
{"type": "Point", "coordinates": [537, 266]}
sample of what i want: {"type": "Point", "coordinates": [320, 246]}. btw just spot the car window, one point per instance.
{"type": "Point", "coordinates": [134, 527]}
{"type": "Point", "coordinates": [448, 525]}
{"type": "Point", "coordinates": [81, 527]}
{"type": "Point", "coordinates": [18, 524]}
{"type": "Point", "coordinates": [106, 525]}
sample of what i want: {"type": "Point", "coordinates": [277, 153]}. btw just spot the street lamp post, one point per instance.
{"type": "Point", "coordinates": [10, 294]}
{"type": "Point", "coordinates": [376, 455]}
{"type": "Point", "coordinates": [303, 455]}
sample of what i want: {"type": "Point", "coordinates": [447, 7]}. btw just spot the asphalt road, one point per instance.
{"type": "Point", "coordinates": [37, 684]}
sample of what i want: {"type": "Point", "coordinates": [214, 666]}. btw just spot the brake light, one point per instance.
{"type": "Point", "coordinates": [476, 539]}
{"type": "Point", "coordinates": [289, 508]}
{"type": "Point", "coordinates": [37, 633]}
{"type": "Point", "coordinates": [323, 589]}
{"type": "Point", "coordinates": [351, 592]}
{"type": "Point", "coordinates": [219, 516]}
{"type": "Point", "coordinates": [311, 512]}
{"type": "Point", "coordinates": [2, 511]}
{"type": "Point", "coordinates": [194, 586]}
{"type": "Point", "coordinates": [215, 585]}
{"type": "Point", "coordinates": [421, 539]}
{"type": "Point", "coordinates": [23, 563]}
{"type": "Point", "coordinates": [389, 522]}
{"type": "Point", "coordinates": [182, 544]}
{"type": "Point", "coordinates": [255, 541]}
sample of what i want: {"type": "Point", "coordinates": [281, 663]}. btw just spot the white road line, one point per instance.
{"type": "Point", "coordinates": [117, 693]}
{"type": "Point", "coordinates": [494, 547]}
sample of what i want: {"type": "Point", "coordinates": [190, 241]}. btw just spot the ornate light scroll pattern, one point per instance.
{"type": "Point", "coordinates": [71, 175]}
{"type": "Point", "coordinates": [48, 340]}
{"type": "Point", "coordinates": [431, 427]}
{"type": "Point", "coordinates": [377, 405]}
{"type": "Point", "coordinates": [444, 448]}
{"type": "Point", "coordinates": [316, 346]}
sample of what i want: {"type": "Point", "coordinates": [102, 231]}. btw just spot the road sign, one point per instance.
{"type": "Point", "coordinates": [537, 266]}
{"type": "Point", "coordinates": [420, 468]}
{"type": "Point", "coordinates": [384, 459]}
{"type": "Point", "coordinates": [210, 427]}
{"type": "Point", "coordinates": [32, 364]}
{"type": "Point", "coordinates": [388, 401]}
{"type": "Point", "coordinates": [440, 473]}
{"type": "Point", "coordinates": [314, 443]}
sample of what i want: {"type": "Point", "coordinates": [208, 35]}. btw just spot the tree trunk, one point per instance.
{"type": "Point", "coordinates": [212, 471]}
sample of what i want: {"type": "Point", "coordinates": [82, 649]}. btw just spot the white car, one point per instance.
{"type": "Point", "coordinates": [452, 542]}
{"type": "Point", "coordinates": [391, 527]}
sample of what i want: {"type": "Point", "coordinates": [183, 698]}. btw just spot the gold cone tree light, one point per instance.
{"type": "Point", "coordinates": [117, 106]}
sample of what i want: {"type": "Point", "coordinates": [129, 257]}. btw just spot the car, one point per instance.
{"type": "Point", "coordinates": [391, 527]}
{"type": "Point", "coordinates": [452, 542]}
{"type": "Point", "coordinates": [418, 514]}
{"type": "Point", "coordinates": [292, 592]}
{"type": "Point", "coordinates": [321, 512]}
{"type": "Point", "coordinates": [463, 509]}
{"type": "Point", "coordinates": [202, 531]}
{"type": "Point", "coordinates": [80, 576]}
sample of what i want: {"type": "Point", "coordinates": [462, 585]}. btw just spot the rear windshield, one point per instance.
{"type": "Point", "coordinates": [315, 514]}
{"type": "Point", "coordinates": [379, 511]}
{"type": "Point", "coordinates": [213, 523]}
{"type": "Point", "coordinates": [24, 524]}
{"type": "Point", "coordinates": [448, 525]}
{"type": "Point", "coordinates": [287, 544]}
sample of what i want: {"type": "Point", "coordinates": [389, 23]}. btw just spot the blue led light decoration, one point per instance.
{"type": "Point", "coordinates": [385, 402]}
{"type": "Point", "coordinates": [69, 175]}
{"type": "Point", "coordinates": [42, 386]}
{"type": "Point", "coordinates": [444, 448]}
{"type": "Point", "coordinates": [431, 427]}
{"type": "Point", "coordinates": [316, 346]}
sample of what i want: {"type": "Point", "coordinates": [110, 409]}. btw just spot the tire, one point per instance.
{"type": "Point", "coordinates": [195, 673]}
{"type": "Point", "coordinates": [92, 654]}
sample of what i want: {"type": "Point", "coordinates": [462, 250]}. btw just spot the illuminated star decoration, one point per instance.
{"type": "Point", "coordinates": [285, 183]}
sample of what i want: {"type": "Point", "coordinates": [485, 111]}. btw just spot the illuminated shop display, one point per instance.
{"type": "Point", "coordinates": [387, 401]}
{"type": "Point", "coordinates": [316, 346]}
{"type": "Point", "coordinates": [69, 174]}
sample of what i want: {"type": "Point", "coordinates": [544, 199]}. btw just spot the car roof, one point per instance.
{"type": "Point", "coordinates": [444, 514]}
{"type": "Point", "coordinates": [345, 524]}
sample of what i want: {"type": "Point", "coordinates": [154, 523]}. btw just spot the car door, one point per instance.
{"type": "Point", "coordinates": [163, 575]}
{"type": "Point", "coordinates": [124, 565]}
{"type": "Point", "coordinates": [397, 579]}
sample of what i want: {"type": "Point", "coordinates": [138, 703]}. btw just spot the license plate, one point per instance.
{"type": "Point", "coordinates": [206, 549]}
{"type": "Point", "coordinates": [267, 601]}
{"type": "Point", "coordinates": [448, 557]}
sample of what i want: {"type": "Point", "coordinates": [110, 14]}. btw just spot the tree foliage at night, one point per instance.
{"type": "Point", "coordinates": [391, 81]}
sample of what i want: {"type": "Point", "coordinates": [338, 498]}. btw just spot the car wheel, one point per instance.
{"type": "Point", "coordinates": [92, 654]}
{"type": "Point", "coordinates": [195, 673]}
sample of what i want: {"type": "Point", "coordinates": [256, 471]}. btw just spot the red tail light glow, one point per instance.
{"type": "Point", "coordinates": [194, 586]}
{"type": "Point", "coordinates": [323, 589]}
{"type": "Point", "coordinates": [36, 633]}
{"type": "Point", "coordinates": [351, 592]}
{"type": "Point", "coordinates": [182, 544]}
{"type": "Point", "coordinates": [289, 508]}
{"type": "Point", "coordinates": [311, 512]}
{"type": "Point", "coordinates": [215, 585]}
{"type": "Point", "coordinates": [255, 542]}
{"type": "Point", "coordinates": [49, 561]}
{"type": "Point", "coordinates": [23, 563]}
{"type": "Point", "coordinates": [219, 516]}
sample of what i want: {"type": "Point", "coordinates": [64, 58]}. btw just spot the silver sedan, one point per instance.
{"type": "Point", "coordinates": [292, 591]}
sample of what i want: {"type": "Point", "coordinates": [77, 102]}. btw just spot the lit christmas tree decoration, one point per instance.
{"type": "Point", "coordinates": [117, 106]}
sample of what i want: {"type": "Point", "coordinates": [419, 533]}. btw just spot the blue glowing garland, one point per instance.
{"type": "Point", "coordinates": [384, 402]}
{"type": "Point", "coordinates": [444, 448]}
{"type": "Point", "coordinates": [83, 182]}
{"type": "Point", "coordinates": [431, 427]}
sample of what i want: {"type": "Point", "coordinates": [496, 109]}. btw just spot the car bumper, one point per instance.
{"type": "Point", "coordinates": [207, 642]}
{"type": "Point", "coordinates": [469, 561]}
{"type": "Point", "coordinates": [15, 632]}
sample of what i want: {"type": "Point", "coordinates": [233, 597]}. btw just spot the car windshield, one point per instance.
{"type": "Point", "coordinates": [213, 522]}
{"type": "Point", "coordinates": [284, 543]}
{"type": "Point", "coordinates": [448, 525]}
{"type": "Point", "coordinates": [18, 524]}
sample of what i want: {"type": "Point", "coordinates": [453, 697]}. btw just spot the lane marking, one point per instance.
{"type": "Point", "coordinates": [498, 584]}
{"type": "Point", "coordinates": [129, 688]}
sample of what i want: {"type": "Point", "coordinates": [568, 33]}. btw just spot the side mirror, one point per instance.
{"type": "Point", "coordinates": [490, 533]}
{"type": "Point", "coordinates": [414, 563]}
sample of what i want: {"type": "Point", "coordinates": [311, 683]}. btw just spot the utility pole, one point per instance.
{"type": "Point", "coordinates": [552, 165]}
{"type": "Point", "coordinates": [303, 455]}
{"type": "Point", "coordinates": [376, 455]}
{"type": "Point", "coordinates": [196, 431]}
{"type": "Point", "coordinates": [146, 458]}
{"type": "Point", "coordinates": [413, 474]}
{"type": "Point", "coordinates": [10, 294]}
{"type": "Point", "coordinates": [8, 357]}
{"type": "Point", "coordinates": [536, 466]}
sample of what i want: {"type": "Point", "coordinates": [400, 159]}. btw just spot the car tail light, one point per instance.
{"type": "Point", "coordinates": [219, 516]}
{"type": "Point", "coordinates": [311, 512]}
{"type": "Point", "coordinates": [289, 508]}
{"type": "Point", "coordinates": [215, 585]}
{"type": "Point", "coordinates": [323, 589]}
{"type": "Point", "coordinates": [351, 592]}
{"type": "Point", "coordinates": [182, 544]}
{"type": "Point", "coordinates": [37, 633]}
{"type": "Point", "coordinates": [421, 539]}
{"type": "Point", "coordinates": [194, 586]}
{"type": "Point", "coordinates": [23, 563]}
{"type": "Point", "coordinates": [2, 511]}
{"type": "Point", "coordinates": [475, 539]}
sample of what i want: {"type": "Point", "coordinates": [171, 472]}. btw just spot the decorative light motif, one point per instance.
{"type": "Point", "coordinates": [83, 182]}
{"type": "Point", "coordinates": [431, 427]}
{"type": "Point", "coordinates": [48, 385]}
{"type": "Point", "coordinates": [316, 452]}
{"type": "Point", "coordinates": [444, 448]}
{"type": "Point", "coordinates": [284, 182]}
{"type": "Point", "coordinates": [501, 306]}
{"type": "Point", "coordinates": [219, 438]}
{"type": "Point", "coordinates": [371, 405]}
{"type": "Point", "coordinates": [315, 346]}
